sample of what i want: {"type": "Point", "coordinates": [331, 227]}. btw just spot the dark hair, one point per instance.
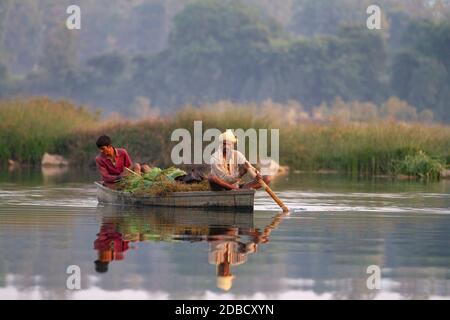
{"type": "Point", "coordinates": [103, 141]}
{"type": "Point", "coordinates": [101, 266]}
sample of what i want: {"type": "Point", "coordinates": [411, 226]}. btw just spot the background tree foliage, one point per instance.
{"type": "Point", "coordinates": [170, 53]}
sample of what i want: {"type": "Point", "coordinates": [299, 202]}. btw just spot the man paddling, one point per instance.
{"type": "Point", "coordinates": [228, 166]}
{"type": "Point", "coordinates": [111, 162]}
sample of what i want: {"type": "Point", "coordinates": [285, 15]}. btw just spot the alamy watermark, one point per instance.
{"type": "Point", "coordinates": [189, 149]}
{"type": "Point", "coordinates": [73, 281]}
{"type": "Point", "coordinates": [73, 22]}
{"type": "Point", "coordinates": [373, 22]}
{"type": "Point", "coordinates": [373, 282]}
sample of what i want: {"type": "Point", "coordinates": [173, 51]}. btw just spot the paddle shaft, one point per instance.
{"type": "Point", "coordinates": [268, 190]}
{"type": "Point", "coordinates": [273, 195]}
{"type": "Point", "coordinates": [129, 170]}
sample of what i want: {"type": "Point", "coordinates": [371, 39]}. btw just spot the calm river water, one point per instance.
{"type": "Point", "coordinates": [338, 227]}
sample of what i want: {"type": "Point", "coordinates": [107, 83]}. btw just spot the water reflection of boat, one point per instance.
{"type": "Point", "coordinates": [238, 199]}
{"type": "Point", "coordinates": [231, 235]}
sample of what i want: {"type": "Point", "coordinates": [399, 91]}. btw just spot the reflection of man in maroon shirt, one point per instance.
{"type": "Point", "coordinates": [111, 162]}
{"type": "Point", "coordinates": [110, 246]}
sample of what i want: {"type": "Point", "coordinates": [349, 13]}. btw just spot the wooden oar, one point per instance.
{"type": "Point", "coordinates": [268, 190]}
{"type": "Point", "coordinates": [129, 170]}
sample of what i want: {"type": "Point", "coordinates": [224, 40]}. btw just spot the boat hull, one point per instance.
{"type": "Point", "coordinates": [237, 199]}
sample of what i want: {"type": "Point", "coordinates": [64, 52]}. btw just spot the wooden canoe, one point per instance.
{"type": "Point", "coordinates": [235, 199]}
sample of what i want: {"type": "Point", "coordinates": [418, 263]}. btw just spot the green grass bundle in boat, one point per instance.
{"type": "Point", "coordinates": [159, 182]}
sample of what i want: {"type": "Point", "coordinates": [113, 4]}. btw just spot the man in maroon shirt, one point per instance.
{"type": "Point", "coordinates": [111, 162]}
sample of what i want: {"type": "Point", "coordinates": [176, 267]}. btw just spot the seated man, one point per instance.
{"type": "Point", "coordinates": [228, 166]}
{"type": "Point", "coordinates": [111, 162]}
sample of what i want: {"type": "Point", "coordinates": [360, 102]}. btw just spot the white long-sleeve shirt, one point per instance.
{"type": "Point", "coordinates": [227, 168]}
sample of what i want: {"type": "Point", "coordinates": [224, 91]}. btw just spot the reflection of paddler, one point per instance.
{"type": "Point", "coordinates": [224, 277]}
{"type": "Point", "coordinates": [231, 252]}
{"type": "Point", "coordinates": [224, 255]}
{"type": "Point", "coordinates": [110, 246]}
{"type": "Point", "coordinates": [225, 251]}
{"type": "Point", "coordinates": [223, 247]}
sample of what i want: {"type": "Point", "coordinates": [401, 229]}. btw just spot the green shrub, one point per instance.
{"type": "Point", "coordinates": [419, 165]}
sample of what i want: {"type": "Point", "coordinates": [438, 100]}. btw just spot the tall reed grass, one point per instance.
{"type": "Point", "coordinates": [30, 127]}
{"type": "Point", "coordinates": [359, 147]}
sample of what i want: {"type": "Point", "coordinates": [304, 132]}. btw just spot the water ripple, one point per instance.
{"type": "Point", "coordinates": [84, 196]}
{"type": "Point", "coordinates": [298, 201]}
{"type": "Point", "coordinates": [76, 197]}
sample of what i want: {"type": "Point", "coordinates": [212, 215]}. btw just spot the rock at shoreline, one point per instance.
{"type": "Point", "coordinates": [13, 165]}
{"type": "Point", "coordinates": [53, 160]}
{"type": "Point", "coordinates": [53, 171]}
{"type": "Point", "coordinates": [445, 174]}
{"type": "Point", "coordinates": [269, 167]}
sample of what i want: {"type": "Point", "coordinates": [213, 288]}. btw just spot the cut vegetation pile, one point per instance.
{"type": "Point", "coordinates": [159, 182]}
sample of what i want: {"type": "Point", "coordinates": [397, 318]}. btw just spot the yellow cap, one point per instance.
{"type": "Point", "coordinates": [225, 282]}
{"type": "Point", "coordinates": [228, 136]}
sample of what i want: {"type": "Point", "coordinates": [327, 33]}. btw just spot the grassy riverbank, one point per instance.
{"type": "Point", "coordinates": [29, 128]}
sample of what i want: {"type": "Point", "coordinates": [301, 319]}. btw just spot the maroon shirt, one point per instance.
{"type": "Point", "coordinates": [112, 173]}
{"type": "Point", "coordinates": [110, 239]}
